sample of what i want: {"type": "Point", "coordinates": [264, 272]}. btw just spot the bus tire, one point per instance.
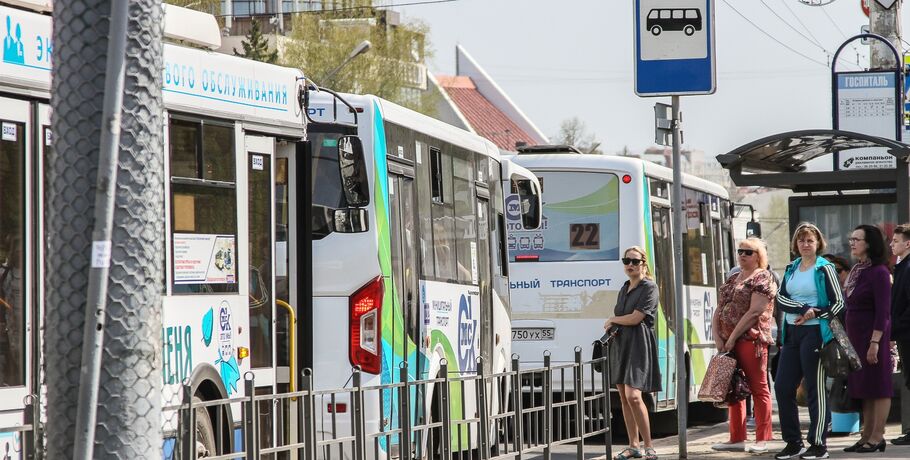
{"type": "Point", "coordinates": [656, 30]}
{"type": "Point", "coordinates": [689, 30]}
{"type": "Point", "coordinates": [205, 431]}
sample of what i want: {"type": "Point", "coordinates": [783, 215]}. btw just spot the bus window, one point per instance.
{"type": "Point", "coordinates": [327, 188]}
{"type": "Point", "coordinates": [698, 246]}
{"type": "Point", "coordinates": [444, 222]}
{"type": "Point", "coordinates": [424, 216]}
{"type": "Point", "coordinates": [260, 252]}
{"type": "Point", "coordinates": [465, 220]}
{"type": "Point", "coordinates": [12, 270]}
{"type": "Point", "coordinates": [203, 207]}
{"type": "Point", "coordinates": [580, 219]}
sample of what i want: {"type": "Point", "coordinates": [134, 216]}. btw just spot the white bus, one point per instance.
{"type": "Point", "coordinates": [428, 280]}
{"type": "Point", "coordinates": [233, 126]}
{"type": "Point", "coordinates": [566, 276]}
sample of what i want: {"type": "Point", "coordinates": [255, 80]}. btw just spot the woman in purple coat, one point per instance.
{"type": "Point", "coordinates": [868, 293]}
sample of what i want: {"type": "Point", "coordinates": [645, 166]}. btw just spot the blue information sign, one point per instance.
{"type": "Point", "coordinates": [674, 47]}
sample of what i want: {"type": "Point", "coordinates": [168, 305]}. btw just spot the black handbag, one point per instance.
{"type": "Point", "coordinates": [600, 346]}
{"type": "Point", "coordinates": [838, 356]}
{"type": "Point", "coordinates": [739, 387]}
{"type": "Point", "coordinates": [840, 399]}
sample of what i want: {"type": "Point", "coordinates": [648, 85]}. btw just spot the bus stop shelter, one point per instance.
{"type": "Point", "coordinates": [779, 161]}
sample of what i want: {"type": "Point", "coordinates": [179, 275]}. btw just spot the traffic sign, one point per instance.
{"type": "Point", "coordinates": [674, 47]}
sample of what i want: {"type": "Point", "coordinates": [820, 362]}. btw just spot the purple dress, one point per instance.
{"type": "Point", "coordinates": [868, 309]}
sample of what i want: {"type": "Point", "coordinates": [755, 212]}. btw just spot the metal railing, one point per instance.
{"type": "Point", "coordinates": [518, 413]}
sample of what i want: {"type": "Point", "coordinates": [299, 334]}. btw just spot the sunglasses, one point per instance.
{"type": "Point", "coordinates": [627, 261]}
{"type": "Point", "coordinates": [745, 252]}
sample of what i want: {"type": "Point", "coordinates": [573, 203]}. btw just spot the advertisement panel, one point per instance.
{"type": "Point", "coordinates": [867, 103]}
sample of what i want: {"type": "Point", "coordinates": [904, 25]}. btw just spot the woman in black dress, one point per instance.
{"type": "Point", "coordinates": [633, 355]}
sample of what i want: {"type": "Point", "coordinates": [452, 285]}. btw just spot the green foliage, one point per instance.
{"type": "Point", "coordinates": [256, 46]}
{"type": "Point", "coordinates": [321, 41]}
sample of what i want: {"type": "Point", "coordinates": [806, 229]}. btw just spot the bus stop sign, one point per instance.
{"type": "Point", "coordinates": [674, 47]}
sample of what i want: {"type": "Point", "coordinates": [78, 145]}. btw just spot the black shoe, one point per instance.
{"type": "Point", "coordinates": [793, 450]}
{"type": "Point", "coordinates": [869, 447]}
{"type": "Point", "coordinates": [855, 446]}
{"type": "Point", "coordinates": [816, 451]}
{"type": "Point", "coordinates": [902, 440]}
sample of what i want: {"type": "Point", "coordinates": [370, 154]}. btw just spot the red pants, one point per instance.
{"type": "Point", "coordinates": [756, 370]}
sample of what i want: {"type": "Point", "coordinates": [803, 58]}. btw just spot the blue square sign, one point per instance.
{"type": "Point", "coordinates": [674, 47]}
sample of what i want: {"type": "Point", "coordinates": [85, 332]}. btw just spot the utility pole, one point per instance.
{"type": "Point", "coordinates": [887, 23]}
{"type": "Point", "coordinates": [105, 255]}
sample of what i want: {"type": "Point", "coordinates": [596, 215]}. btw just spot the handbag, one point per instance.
{"type": "Point", "coordinates": [840, 399]}
{"type": "Point", "coordinates": [598, 347]}
{"type": "Point", "coordinates": [716, 384]}
{"type": "Point", "coordinates": [838, 356]}
{"type": "Point", "coordinates": [739, 387]}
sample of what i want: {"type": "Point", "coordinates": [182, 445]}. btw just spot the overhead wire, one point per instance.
{"type": "Point", "coordinates": [812, 40]}
{"type": "Point", "coordinates": [834, 23]}
{"type": "Point", "coordinates": [793, 50]}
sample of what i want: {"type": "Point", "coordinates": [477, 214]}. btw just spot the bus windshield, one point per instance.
{"type": "Point", "coordinates": [580, 219]}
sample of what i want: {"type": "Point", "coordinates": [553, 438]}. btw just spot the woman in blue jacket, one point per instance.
{"type": "Point", "coordinates": [810, 294]}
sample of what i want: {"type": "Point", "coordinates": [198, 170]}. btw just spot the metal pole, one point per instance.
{"type": "Point", "coordinates": [93, 332]}
{"type": "Point", "coordinates": [608, 409]}
{"type": "Point", "coordinates": [682, 392]}
{"type": "Point", "coordinates": [404, 412]}
{"type": "Point", "coordinates": [579, 404]}
{"type": "Point", "coordinates": [517, 407]}
{"type": "Point", "coordinates": [547, 406]}
{"type": "Point", "coordinates": [445, 410]}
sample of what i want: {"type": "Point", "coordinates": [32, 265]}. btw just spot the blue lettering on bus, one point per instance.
{"type": "Point", "coordinates": [467, 330]}
{"type": "Point", "coordinates": [594, 282]}
{"type": "Point", "coordinates": [535, 284]}
{"type": "Point", "coordinates": [177, 356]}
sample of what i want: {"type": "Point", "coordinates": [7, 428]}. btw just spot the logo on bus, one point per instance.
{"type": "Point", "coordinates": [225, 338]}
{"type": "Point", "coordinates": [467, 331]}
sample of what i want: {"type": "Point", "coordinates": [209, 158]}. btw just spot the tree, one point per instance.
{"type": "Point", "coordinates": [256, 46]}
{"type": "Point", "coordinates": [320, 41]}
{"type": "Point", "coordinates": [572, 131]}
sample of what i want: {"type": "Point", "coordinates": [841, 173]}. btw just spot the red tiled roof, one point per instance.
{"type": "Point", "coordinates": [482, 115]}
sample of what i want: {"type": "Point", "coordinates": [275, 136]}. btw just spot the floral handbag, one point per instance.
{"type": "Point", "coordinates": [716, 384]}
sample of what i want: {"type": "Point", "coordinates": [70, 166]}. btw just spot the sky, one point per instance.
{"type": "Point", "coordinates": [567, 58]}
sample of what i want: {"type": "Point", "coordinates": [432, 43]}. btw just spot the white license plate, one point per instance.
{"type": "Point", "coordinates": [533, 333]}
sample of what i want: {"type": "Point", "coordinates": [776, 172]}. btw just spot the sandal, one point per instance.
{"type": "Point", "coordinates": [650, 453]}
{"type": "Point", "coordinates": [628, 453]}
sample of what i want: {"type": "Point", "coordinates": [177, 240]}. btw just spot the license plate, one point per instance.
{"type": "Point", "coordinates": [533, 333]}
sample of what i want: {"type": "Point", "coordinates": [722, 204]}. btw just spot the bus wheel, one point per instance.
{"type": "Point", "coordinates": [655, 30]}
{"type": "Point", "coordinates": [689, 30]}
{"type": "Point", "coordinates": [205, 433]}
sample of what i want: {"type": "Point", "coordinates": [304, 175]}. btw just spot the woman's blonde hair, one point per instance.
{"type": "Point", "coordinates": [644, 257]}
{"type": "Point", "coordinates": [808, 228]}
{"type": "Point", "coordinates": [758, 245]}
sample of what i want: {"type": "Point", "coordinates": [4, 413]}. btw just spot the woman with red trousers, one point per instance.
{"type": "Point", "coordinates": [742, 326]}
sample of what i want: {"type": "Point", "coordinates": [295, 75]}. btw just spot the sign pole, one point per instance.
{"type": "Point", "coordinates": [682, 390]}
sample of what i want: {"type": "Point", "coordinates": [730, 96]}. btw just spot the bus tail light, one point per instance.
{"type": "Point", "coordinates": [365, 325]}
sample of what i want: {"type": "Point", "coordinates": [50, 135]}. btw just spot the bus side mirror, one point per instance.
{"type": "Point", "coordinates": [353, 171]}
{"type": "Point", "coordinates": [753, 229]}
{"type": "Point", "coordinates": [531, 210]}
{"type": "Point", "coordinates": [350, 220]}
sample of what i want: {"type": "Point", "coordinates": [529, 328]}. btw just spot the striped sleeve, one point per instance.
{"type": "Point", "coordinates": [785, 303]}
{"type": "Point", "coordinates": [835, 294]}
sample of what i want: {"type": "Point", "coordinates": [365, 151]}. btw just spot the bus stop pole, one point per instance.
{"type": "Point", "coordinates": [682, 390]}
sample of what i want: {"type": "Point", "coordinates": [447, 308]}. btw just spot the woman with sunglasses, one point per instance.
{"type": "Point", "coordinates": [868, 294]}
{"type": "Point", "coordinates": [809, 296]}
{"type": "Point", "coordinates": [742, 325]}
{"type": "Point", "coordinates": [633, 355]}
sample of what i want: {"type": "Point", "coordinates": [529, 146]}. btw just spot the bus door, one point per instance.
{"type": "Point", "coordinates": [403, 235]}
{"type": "Point", "coordinates": [664, 274]}
{"type": "Point", "coordinates": [16, 208]}
{"type": "Point", "coordinates": [259, 159]}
